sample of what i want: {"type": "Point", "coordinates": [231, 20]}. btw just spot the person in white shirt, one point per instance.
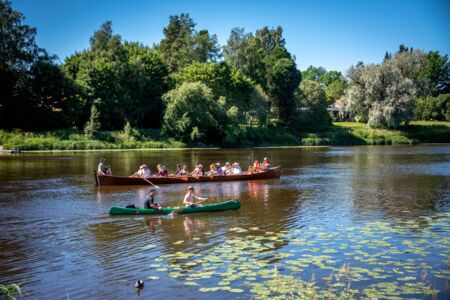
{"type": "Point", "coordinates": [144, 172]}
{"type": "Point", "coordinates": [237, 168]}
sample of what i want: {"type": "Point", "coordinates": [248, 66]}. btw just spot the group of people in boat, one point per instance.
{"type": "Point", "coordinates": [215, 169]}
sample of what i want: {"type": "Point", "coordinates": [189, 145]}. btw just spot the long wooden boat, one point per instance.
{"type": "Point", "coordinates": [106, 180]}
{"type": "Point", "coordinates": [219, 206]}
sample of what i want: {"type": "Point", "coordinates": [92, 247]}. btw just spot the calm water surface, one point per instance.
{"type": "Point", "coordinates": [382, 211]}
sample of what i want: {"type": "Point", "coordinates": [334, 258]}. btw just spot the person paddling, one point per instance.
{"type": "Point", "coordinates": [150, 201]}
{"type": "Point", "coordinates": [189, 198]}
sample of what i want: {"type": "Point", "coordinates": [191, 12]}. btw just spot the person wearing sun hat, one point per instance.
{"type": "Point", "coordinates": [144, 172]}
{"type": "Point", "coordinates": [189, 198]}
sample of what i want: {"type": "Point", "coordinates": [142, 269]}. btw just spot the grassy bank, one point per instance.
{"type": "Point", "coordinates": [340, 133]}
{"type": "Point", "coordinates": [349, 133]}
{"type": "Point", "coordinates": [74, 140]}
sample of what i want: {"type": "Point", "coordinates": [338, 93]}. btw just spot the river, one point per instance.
{"type": "Point", "coordinates": [368, 221]}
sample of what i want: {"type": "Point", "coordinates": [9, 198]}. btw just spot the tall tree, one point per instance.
{"type": "Point", "coordinates": [283, 81]}
{"type": "Point", "coordinates": [380, 94]}
{"type": "Point", "coordinates": [32, 84]}
{"type": "Point", "coordinates": [182, 45]}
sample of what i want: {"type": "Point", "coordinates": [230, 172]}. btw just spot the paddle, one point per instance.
{"type": "Point", "coordinates": [150, 182]}
{"type": "Point", "coordinates": [175, 211]}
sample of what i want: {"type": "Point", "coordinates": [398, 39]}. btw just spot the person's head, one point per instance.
{"type": "Point", "coordinates": [102, 160]}
{"type": "Point", "coordinates": [144, 166]}
{"type": "Point", "coordinates": [256, 161]}
{"type": "Point", "coordinates": [227, 164]}
{"type": "Point", "coordinates": [184, 167]}
{"type": "Point", "coordinates": [190, 188]}
{"type": "Point", "coordinates": [265, 158]}
{"type": "Point", "coordinates": [158, 166]}
{"type": "Point", "coordinates": [152, 192]}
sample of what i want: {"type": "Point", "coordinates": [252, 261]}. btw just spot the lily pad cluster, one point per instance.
{"type": "Point", "coordinates": [376, 260]}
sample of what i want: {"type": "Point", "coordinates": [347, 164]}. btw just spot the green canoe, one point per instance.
{"type": "Point", "coordinates": [220, 206]}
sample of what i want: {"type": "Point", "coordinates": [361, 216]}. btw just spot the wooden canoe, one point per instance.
{"type": "Point", "coordinates": [106, 180]}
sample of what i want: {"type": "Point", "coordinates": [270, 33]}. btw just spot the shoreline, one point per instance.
{"type": "Point", "coordinates": [337, 134]}
{"type": "Point", "coordinates": [218, 148]}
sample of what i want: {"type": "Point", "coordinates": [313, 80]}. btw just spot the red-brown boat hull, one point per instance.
{"type": "Point", "coordinates": [104, 180]}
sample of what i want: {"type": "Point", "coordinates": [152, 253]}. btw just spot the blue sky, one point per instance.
{"type": "Point", "coordinates": [332, 34]}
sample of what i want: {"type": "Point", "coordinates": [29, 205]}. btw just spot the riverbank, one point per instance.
{"type": "Point", "coordinates": [351, 133]}
{"type": "Point", "coordinates": [339, 133]}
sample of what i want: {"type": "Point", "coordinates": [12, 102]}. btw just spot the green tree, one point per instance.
{"type": "Point", "coordinates": [224, 81]}
{"type": "Point", "coordinates": [93, 125]}
{"type": "Point", "coordinates": [283, 81]}
{"type": "Point", "coordinates": [34, 93]}
{"type": "Point", "coordinates": [127, 81]}
{"type": "Point", "coordinates": [434, 108]}
{"type": "Point", "coordinates": [145, 81]}
{"type": "Point", "coordinates": [313, 114]}
{"type": "Point", "coordinates": [380, 94]}
{"type": "Point", "coordinates": [193, 115]}
{"type": "Point", "coordinates": [176, 46]}
{"type": "Point", "coordinates": [182, 45]}
{"type": "Point", "coordinates": [437, 72]}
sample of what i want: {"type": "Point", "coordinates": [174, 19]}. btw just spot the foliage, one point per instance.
{"type": "Point", "coordinates": [437, 72]}
{"type": "Point", "coordinates": [283, 80]}
{"type": "Point", "coordinates": [313, 114]}
{"type": "Point", "coordinates": [10, 290]}
{"type": "Point", "coordinates": [69, 139]}
{"type": "Point", "coordinates": [93, 125]}
{"type": "Point", "coordinates": [182, 45]}
{"type": "Point", "coordinates": [32, 84]}
{"type": "Point", "coordinates": [223, 80]}
{"type": "Point", "coordinates": [126, 80]}
{"type": "Point", "coordinates": [434, 108]}
{"type": "Point", "coordinates": [350, 133]}
{"type": "Point", "coordinates": [381, 94]}
{"type": "Point", "coordinates": [193, 115]}
{"type": "Point", "coordinates": [332, 82]}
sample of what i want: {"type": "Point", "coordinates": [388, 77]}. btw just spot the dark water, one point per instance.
{"type": "Point", "coordinates": [383, 212]}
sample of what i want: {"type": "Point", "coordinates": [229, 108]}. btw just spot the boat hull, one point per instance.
{"type": "Point", "coordinates": [105, 180]}
{"type": "Point", "coordinates": [220, 206]}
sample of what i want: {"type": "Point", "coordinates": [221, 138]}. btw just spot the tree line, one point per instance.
{"type": "Point", "coordinates": [198, 91]}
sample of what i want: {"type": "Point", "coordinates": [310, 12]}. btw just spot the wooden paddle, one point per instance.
{"type": "Point", "coordinates": [150, 182]}
{"type": "Point", "coordinates": [175, 211]}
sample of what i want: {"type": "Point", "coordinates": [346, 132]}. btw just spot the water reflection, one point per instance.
{"type": "Point", "coordinates": [69, 245]}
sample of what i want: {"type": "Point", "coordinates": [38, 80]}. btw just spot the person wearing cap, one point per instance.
{"type": "Point", "coordinates": [150, 201]}
{"type": "Point", "coordinates": [144, 172]}
{"type": "Point", "coordinates": [189, 198]}
{"type": "Point", "coordinates": [219, 170]}
{"type": "Point", "coordinates": [265, 164]}
{"type": "Point", "coordinates": [103, 169]}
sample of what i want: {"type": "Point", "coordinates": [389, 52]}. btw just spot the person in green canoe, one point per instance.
{"type": "Point", "coordinates": [150, 201]}
{"type": "Point", "coordinates": [189, 198]}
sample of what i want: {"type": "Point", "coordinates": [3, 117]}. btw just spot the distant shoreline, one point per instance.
{"type": "Point", "coordinates": [338, 134]}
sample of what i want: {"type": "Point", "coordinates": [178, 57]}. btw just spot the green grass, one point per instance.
{"type": "Point", "coordinates": [339, 133]}
{"type": "Point", "coordinates": [75, 140]}
{"type": "Point", "coordinates": [350, 133]}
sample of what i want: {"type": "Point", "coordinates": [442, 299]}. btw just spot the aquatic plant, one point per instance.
{"type": "Point", "coordinates": [10, 290]}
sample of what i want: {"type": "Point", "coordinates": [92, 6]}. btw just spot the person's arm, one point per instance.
{"type": "Point", "coordinates": [200, 198]}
